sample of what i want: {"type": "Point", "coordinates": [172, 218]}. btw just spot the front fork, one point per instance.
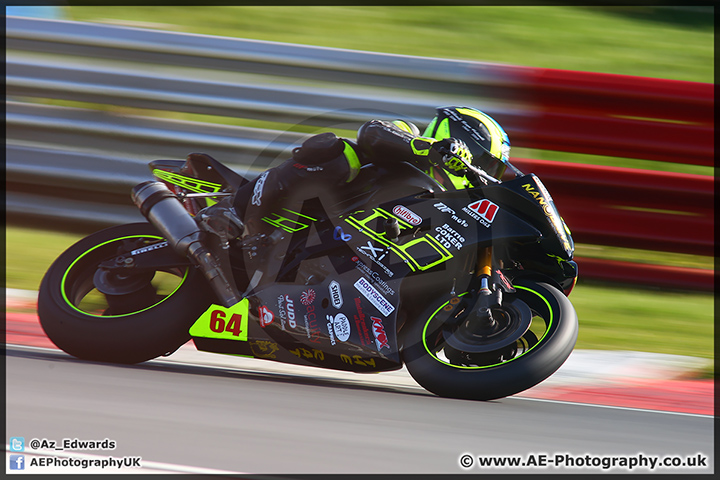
{"type": "Point", "coordinates": [492, 285]}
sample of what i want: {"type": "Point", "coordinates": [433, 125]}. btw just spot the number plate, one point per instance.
{"type": "Point", "coordinates": [222, 322]}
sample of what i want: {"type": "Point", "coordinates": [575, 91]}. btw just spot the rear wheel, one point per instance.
{"type": "Point", "coordinates": [533, 334]}
{"type": "Point", "coordinates": [105, 314]}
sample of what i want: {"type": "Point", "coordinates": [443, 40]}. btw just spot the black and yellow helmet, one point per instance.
{"type": "Point", "coordinates": [485, 138]}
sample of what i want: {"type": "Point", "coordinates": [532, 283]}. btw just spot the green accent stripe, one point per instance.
{"type": "Point", "coordinates": [421, 150]}
{"type": "Point", "coordinates": [402, 125]}
{"type": "Point", "coordinates": [65, 275]}
{"type": "Point", "coordinates": [547, 329]}
{"type": "Point", "coordinates": [189, 183]}
{"type": "Point", "coordinates": [496, 132]}
{"type": "Point", "coordinates": [353, 161]}
{"type": "Point", "coordinates": [300, 214]}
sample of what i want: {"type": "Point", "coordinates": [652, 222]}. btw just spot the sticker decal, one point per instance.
{"type": "Point", "coordinates": [408, 215]}
{"type": "Point", "coordinates": [449, 237]}
{"type": "Point", "coordinates": [286, 310]}
{"type": "Point", "coordinates": [307, 297]}
{"type": "Point", "coordinates": [445, 209]}
{"type": "Point", "coordinates": [378, 329]}
{"type": "Point", "coordinates": [266, 316]}
{"type": "Point", "coordinates": [258, 190]}
{"type": "Point", "coordinates": [482, 211]}
{"type": "Point", "coordinates": [338, 234]}
{"type": "Point", "coordinates": [335, 294]}
{"type": "Point", "coordinates": [149, 248]}
{"type": "Point", "coordinates": [338, 327]}
{"type": "Point", "coordinates": [374, 297]}
{"type": "Point", "coordinates": [224, 323]}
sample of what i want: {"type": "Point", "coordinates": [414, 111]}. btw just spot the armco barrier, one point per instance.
{"type": "Point", "coordinates": [76, 164]}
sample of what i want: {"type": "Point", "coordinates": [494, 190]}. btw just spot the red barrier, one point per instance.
{"type": "Point", "coordinates": [614, 115]}
{"type": "Point", "coordinates": [626, 117]}
{"type": "Point", "coordinates": [663, 276]}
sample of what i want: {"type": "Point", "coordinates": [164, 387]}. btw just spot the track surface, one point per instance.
{"type": "Point", "coordinates": [236, 420]}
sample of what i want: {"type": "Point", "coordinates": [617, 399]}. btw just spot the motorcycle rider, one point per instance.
{"type": "Point", "coordinates": [325, 160]}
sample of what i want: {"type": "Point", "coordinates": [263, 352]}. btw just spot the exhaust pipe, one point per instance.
{"type": "Point", "coordinates": [163, 210]}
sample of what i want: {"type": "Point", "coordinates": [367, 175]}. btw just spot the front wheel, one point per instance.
{"type": "Point", "coordinates": [106, 315]}
{"type": "Point", "coordinates": [535, 332]}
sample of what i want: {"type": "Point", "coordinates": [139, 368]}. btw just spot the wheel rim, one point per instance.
{"type": "Point", "coordinates": [436, 345]}
{"type": "Point", "coordinates": [123, 296]}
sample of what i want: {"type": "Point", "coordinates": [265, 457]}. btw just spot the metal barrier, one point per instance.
{"type": "Point", "coordinates": [76, 164]}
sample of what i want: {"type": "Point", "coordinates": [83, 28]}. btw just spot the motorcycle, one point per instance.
{"type": "Point", "coordinates": [466, 288]}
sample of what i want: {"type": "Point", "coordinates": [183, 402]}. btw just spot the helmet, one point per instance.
{"type": "Point", "coordinates": [485, 138]}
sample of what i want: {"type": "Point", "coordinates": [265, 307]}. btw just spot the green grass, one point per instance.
{"type": "Point", "coordinates": [673, 43]}
{"type": "Point", "coordinates": [611, 318]}
{"type": "Point", "coordinates": [645, 41]}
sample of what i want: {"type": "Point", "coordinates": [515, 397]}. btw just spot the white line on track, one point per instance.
{"type": "Point", "coordinates": [613, 407]}
{"type": "Point", "coordinates": [386, 379]}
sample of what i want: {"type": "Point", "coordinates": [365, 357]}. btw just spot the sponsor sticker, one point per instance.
{"type": "Point", "coordinates": [266, 316]}
{"type": "Point", "coordinates": [149, 248]}
{"type": "Point", "coordinates": [374, 297]}
{"type": "Point", "coordinates": [408, 215]}
{"type": "Point", "coordinates": [338, 327]}
{"type": "Point", "coordinates": [378, 329]}
{"type": "Point", "coordinates": [307, 297]}
{"type": "Point", "coordinates": [376, 254]}
{"type": "Point", "coordinates": [338, 234]}
{"type": "Point", "coordinates": [335, 294]}
{"type": "Point", "coordinates": [449, 237]}
{"type": "Point", "coordinates": [258, 190]}
{"type": "Point", "coordinates": [445, 209]}
{"type": "Point", "coordinates": [483, 211]}
{"type": "Point", "coordinates": [286, 311]}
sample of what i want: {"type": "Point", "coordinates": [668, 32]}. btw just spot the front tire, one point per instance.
{"type": "Point", "coordinates": [151, 319]}
{"type": "Point", "coordinates": [500, 370]}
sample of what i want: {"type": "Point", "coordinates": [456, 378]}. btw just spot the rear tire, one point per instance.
{"type": "Point", "coordinates": [152, 320]}
{"type": "Point", "coordinates": [510, 368]}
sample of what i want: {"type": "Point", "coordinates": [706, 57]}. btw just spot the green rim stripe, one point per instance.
{"type": "Point", "coordinates": [353, 162]}
{"type": "Point", "coordinates": [547, 329]}
{"type": "Point", "coordinates": [62, 283]}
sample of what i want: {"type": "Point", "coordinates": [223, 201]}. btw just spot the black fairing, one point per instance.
{"type": "Point", "coordinates": [335, 289]}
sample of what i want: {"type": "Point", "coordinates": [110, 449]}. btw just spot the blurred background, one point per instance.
{"type": "Point", "coordinates": [75, 150]}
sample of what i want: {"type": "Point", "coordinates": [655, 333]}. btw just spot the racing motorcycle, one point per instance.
{"type": "Point", "coordinates": [466, 288]}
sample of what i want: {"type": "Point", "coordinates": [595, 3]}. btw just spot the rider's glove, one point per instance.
{"type": "Point", "coordinates": [451, 149]}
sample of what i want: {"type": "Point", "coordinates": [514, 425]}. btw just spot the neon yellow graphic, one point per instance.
{"type": "Point", "coordinates": [421, 145]}
{"type": "Point", "coordinates": [402, 126]}
{"type": "Point", "coordinates": [443, 130]}
{"type": "Point", "coordinates": [223, 323]}
{"type": "Point", "coordinates": [496, 133]}
{"type": "Point", "coordinates": [426, 244]}
{"type": "Point", "coordinates": [353, 161]}
{"type": "Point", "coordinates": [189, 183]}
{"type": "Point", "coordinates": [288, 224]}
{"type": "Point", "coordinates": [428, 131]}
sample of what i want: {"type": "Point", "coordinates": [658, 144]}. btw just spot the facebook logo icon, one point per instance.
{"type": "Point", "coordinates": [17, 462]}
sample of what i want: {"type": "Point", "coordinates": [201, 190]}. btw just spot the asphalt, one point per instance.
{"type": "Point", "coordinates": [628, 379]}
